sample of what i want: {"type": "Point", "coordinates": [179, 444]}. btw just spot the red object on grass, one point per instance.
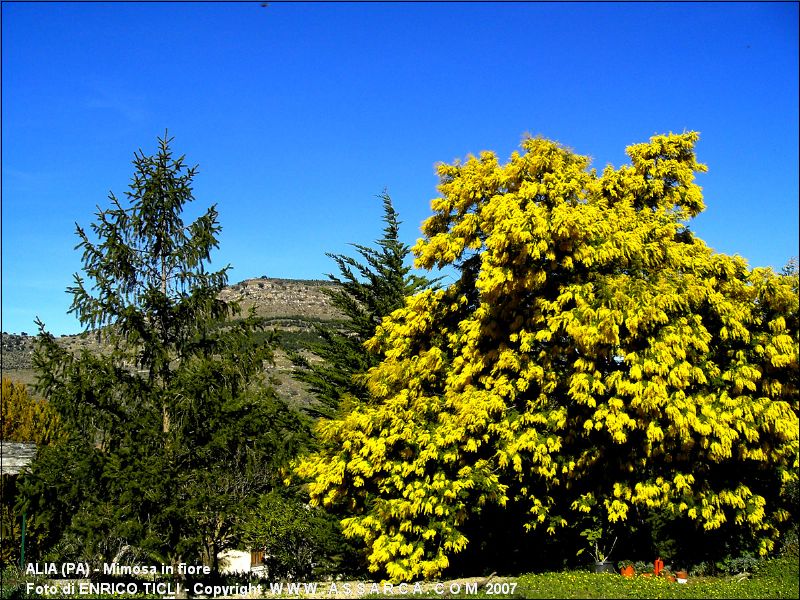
{"type": "Point", "coordinates": [658, 566]}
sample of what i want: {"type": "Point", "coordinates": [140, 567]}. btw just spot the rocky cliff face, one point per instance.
{"type": "Point", "coordinates": [284, 298]}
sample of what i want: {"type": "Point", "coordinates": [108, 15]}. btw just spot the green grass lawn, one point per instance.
{"type": "Point", "coordinates": [776, 578]}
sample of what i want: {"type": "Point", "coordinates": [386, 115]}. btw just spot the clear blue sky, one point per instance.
{"type": "Point", "coordinates": [300, 114]}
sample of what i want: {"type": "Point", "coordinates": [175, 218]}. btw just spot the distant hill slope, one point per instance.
{"type": "Point", "coordinates": [291, 306]}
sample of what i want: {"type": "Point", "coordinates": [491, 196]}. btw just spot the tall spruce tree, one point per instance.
{"type": "Point", "coordinates": [367, 289]}
{"type": "Point", "coordinates": [173, 432]}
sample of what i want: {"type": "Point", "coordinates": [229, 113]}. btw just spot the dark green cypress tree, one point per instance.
{"type": "Point", "coordinates": [367, 289]}
{"type": "Point", "coordinates": [173, 432]}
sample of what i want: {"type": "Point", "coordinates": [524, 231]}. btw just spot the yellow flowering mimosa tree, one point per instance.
{"type": "Point", "coordinates": [594, 358]}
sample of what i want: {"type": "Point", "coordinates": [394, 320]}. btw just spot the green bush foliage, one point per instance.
{"type": "Point", "coordinates": [299, 541]}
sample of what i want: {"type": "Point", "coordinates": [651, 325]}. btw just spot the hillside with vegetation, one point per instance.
{"type": "Point", "coordinates": [290, 307]}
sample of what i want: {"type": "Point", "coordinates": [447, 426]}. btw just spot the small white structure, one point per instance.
{"type": "Point", "coordinates": [241, 561]}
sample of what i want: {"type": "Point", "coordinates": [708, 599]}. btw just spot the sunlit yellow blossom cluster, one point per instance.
{"type": "Point", "coordinates": [590, 332]}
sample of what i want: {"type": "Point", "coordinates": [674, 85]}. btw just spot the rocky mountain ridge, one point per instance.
{"type": "Point", "coordinates": [286, 305]}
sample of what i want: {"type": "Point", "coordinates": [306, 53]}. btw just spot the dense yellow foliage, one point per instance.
{"type": "Point", "coordinates": [26, 419]}
{"type": "Point", "coordinates": [594, 357]}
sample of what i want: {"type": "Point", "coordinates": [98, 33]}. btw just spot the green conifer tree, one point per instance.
{"type": "Point", "coordinates": [172, 431]}
{"type": "Point", "coordinates": [367, 289]}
